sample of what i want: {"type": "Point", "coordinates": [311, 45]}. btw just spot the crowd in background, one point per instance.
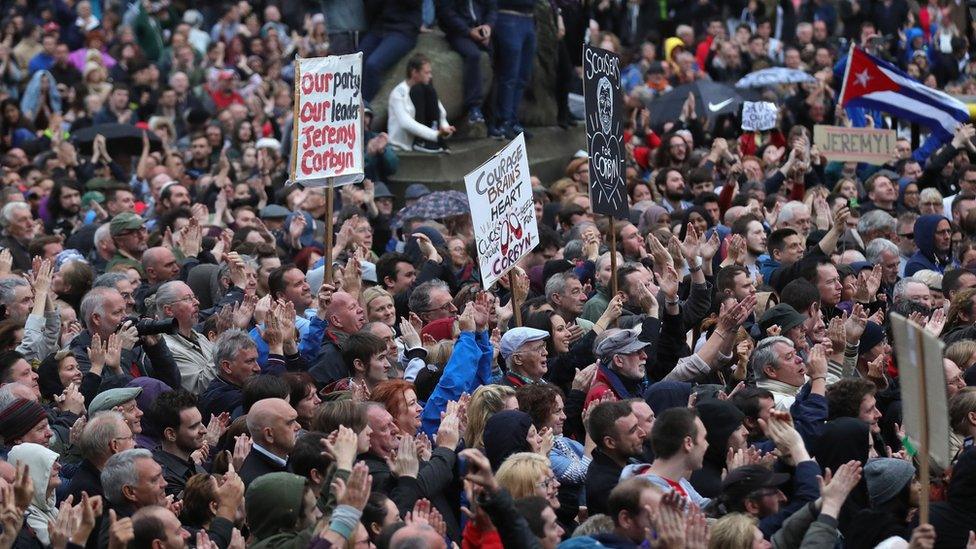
{"type": "Point", "coordinates": [178, 369]}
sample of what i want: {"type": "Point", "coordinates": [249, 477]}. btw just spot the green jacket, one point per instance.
{"type": "Point", "coordinates": [594, 307]}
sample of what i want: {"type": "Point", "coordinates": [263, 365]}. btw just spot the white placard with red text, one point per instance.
{"type": "Point", "coordinates": [329, 120]}
{"type": "Point", "coordinates": [502, 210]}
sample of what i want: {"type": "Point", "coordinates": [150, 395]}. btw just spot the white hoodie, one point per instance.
{"type": "Point", "coordinates": [44, 506]}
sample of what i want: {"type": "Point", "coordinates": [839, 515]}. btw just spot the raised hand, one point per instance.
{"type": "Point", "coordinates": [409, 335]}
{"type": "Point", "coordinates": [341, 447]}
{"type": "Point", "coordinates": [835, 488]}
{"type": "Point", "coordinates": [355, 491]}
{"type": "Point", "coordinates": [936, 322]}
{"type": "Point", "coordinates": [216, 427]}
{"type": "Point", "coordinates": [668, 521]}
{"type": "Point", "coordinates": [242, 447]}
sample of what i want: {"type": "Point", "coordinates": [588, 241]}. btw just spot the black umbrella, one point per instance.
{"type": "Point", "coordinates": [711, 100]}
{"type": "Point", "coordinates": [119, 139]}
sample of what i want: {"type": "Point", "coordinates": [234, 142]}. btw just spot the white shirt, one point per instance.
{"type": "Point", "coordinates": [402, 127]}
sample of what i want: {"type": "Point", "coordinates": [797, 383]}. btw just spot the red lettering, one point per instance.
{"type": "Point", "coordinates": [316, 83]}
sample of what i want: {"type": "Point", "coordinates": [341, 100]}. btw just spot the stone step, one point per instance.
{"type": "Point", "coordinates": [550, 149]}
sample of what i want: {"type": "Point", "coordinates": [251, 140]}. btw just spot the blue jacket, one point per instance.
{"type": "Point", "coordinates": [926, 257]}
{"type": "Point", "coordinates": [809, 413]}
{"type": "Point", "coordinates": [457, 17]}
{"type": "Point", "coordinates": [221, 396]}
{"type": "Point", "coordinates": [459, 377]}
{"type": "Point", "coordinates": [805, 489]}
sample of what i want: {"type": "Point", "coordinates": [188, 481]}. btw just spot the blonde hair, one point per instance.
{"type": "Point", "coordinates": [374, 292]}
{"type": "Point", "coordinates": [485, 401]}
{"type": "Point", "coordinates": [562, 188]}
{"type": "Point", "coordinates": [733, 531]}
{"type": "Point", "coordinates": [961, 352]}
{"type": "Point", "coordinates": [960, 405]}
{"type": "Point", "coordinates": [440, 353]}
{"type": "Point", "coordinates": [521, 472]}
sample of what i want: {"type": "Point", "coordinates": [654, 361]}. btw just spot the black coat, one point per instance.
{"type": "Point", "coordinates": [457, 17]}
{"type": "Point", "coordinates": [602, 475]}
{"type": "Point", "coordinates": [257, 464]}
{"type": "Point", "coordinates": [435, 481]}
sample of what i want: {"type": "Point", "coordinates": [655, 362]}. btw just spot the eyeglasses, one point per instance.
{"type": "Point", "coordinates": [547, 483]}
{"type": "Point", "coordinates": [185, 298]}
{"type": "Point", "coordinates": [907, 236]}
{"type": "Point", "coordinates": [447, 307]}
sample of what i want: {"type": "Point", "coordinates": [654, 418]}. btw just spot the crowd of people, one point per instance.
{"type": "Point", "coordinates": [178, 367]}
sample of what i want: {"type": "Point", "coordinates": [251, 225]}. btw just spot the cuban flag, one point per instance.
{"type": "Point", "coordinates": [874, 84]}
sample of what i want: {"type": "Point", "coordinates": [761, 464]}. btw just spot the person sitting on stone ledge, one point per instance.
{"type": "Point", "coordinates": [418, 120]}
{"type": "Point", "coordinates": [468, 27]}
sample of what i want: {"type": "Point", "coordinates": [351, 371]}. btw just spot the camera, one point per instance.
{"type": "Point", "coordinates": [149, 326]}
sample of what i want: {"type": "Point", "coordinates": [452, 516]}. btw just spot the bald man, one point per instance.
{"type": "Point", "coordinates": [344, 316]}
{"type": "Point", "coordinates": [160, 266]}
{"type": "Point", "coordinates": [156, 526]}
{"type": "Point", "coordinates": [417, 536]}
{"type": "Point", "coordinates": [273, 426]}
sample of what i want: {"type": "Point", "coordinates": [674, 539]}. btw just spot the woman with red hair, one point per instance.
{"type": "Point", "coordinates": [400, 399]}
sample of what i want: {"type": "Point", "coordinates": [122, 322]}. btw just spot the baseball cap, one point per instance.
{"type": "Point", "coordinates": [106, 400]}
{"type": "Point", "coordinates": [784, 316]}
{"type": "Point", "coordinates": [274, 211]}
{"type": "Point", "coordinates": [516, 337]}
{"type": "Point", "coordinates": [125, 221]}
{"type": "Point", "coordinates": [742, 481]}
{"type": "Point", "coordinates": [417, 190]}
{"type": "Point", "coordinates": [618, 341]}
{"type": "Point", "coordinates": [859, 266]}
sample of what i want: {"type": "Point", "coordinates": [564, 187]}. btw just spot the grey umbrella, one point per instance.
{"type": "Point", "coordinates": [774, 76]}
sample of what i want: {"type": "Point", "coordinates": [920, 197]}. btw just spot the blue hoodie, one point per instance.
{"type": "Point", "coordinates": [925, 257]}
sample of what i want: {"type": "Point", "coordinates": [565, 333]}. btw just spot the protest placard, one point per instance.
{"type": "Point", "coordinates": [925, 410]}
{"type": "Point", "coordinates": [328, 126]}
{"type": "Point", "coordinates": [502, 211]}
{"type": "Point", "coordinates": [869, 145]}
{"type": "Point", "coordinates": [759, 116]}
{"type": "Point", "coordinates": [605, 132]}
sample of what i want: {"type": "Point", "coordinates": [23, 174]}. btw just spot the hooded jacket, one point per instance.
{"type": "Point", "coordinates": [842, 440]}
{"type": "Point", "coordinates": [43, 507]}
{"type": "Point", "coordinates": [721, 418]}
{"type": "Point", "coordinates": [273, 503]}
{"type": "Point", "coordinates": [926, 256]}
{"type": "Point", "coordinates": [505, 434]}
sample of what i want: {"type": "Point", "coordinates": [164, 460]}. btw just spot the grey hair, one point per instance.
{"type": "Point", "coordinates": [930, 192]}
{"type": "Point", "coordinates": [7, 396]}
{"type": "Point", "coordinates": [604, 258]}
{"type": "Point", "coordinates": [100, 431]}
{"type": "Point", "coordinates": [877, 247]}
{"type": "Point", "coordinates": [103, 232]}
{"type": "Point", "coordinates": [573, 250]}
{"type": "Point", "coordinates": [109, 280]}
{"type": "Point", "coordinates": [166, 294]}
{"type": "Point", "coordinates": [901, 287]}
{"type": "Point", "coordinates": [876, 220]}
{"type": "Point", "coordinates": [224, 270]}
{"type": "Point", "coordinates": [119, 471]}
{"type": "Point", "coordinates": [94, 302]}
{"type": "Point", "coordinates": [8, 212]}
{"type": "Point", "coordinates": [789, 211]}
{"type": "Point", "coordinates": [557, 283]}
{"type": "Point", "coordinates": [419, 301]}
{"type": "Point", "coordinates": [765, 354]}
{"type": "Point", "coordinates": [229, 344]}
{"type": "Point", "coordinates": [8, 287]}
